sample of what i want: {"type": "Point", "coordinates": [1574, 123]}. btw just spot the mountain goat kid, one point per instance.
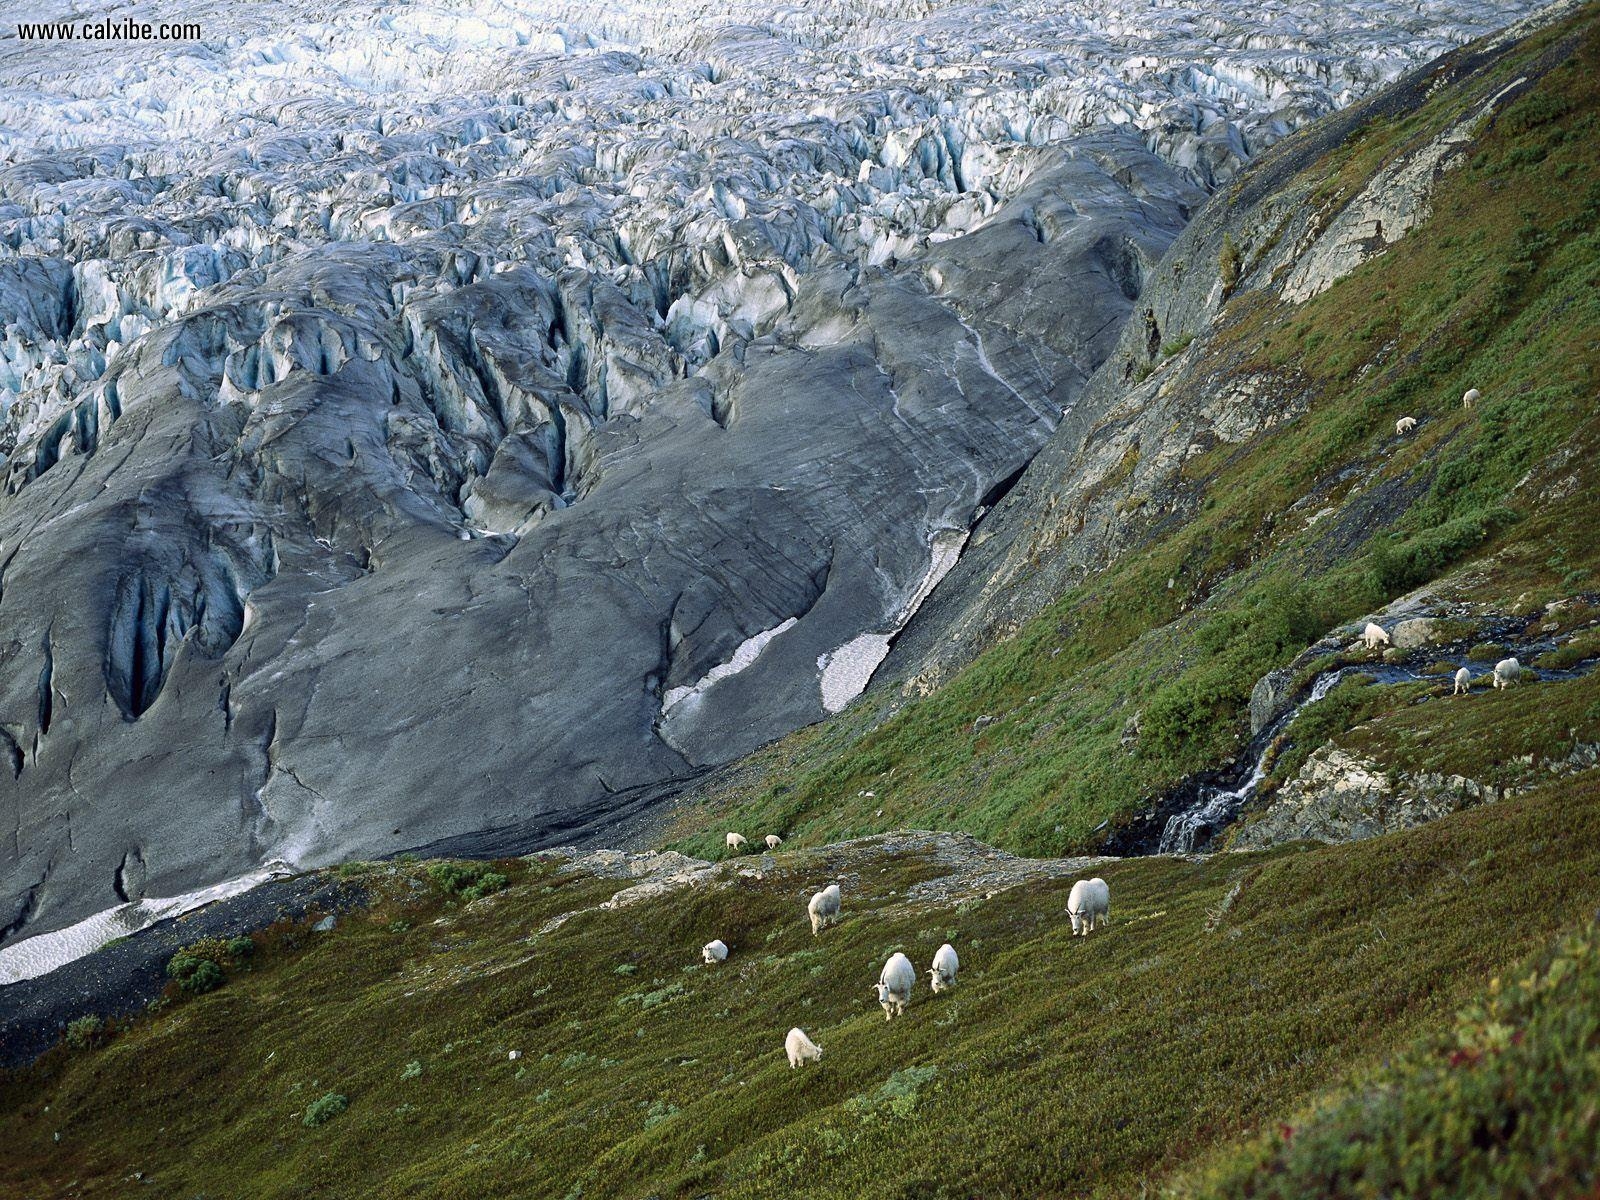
{"type": "Point", "coordinates": [1374, 636]}
{"type": "Point", "coordinates": [1463, 682]}
{"type": "Point", "coordinates": [942, 975]}
{"type": "Point", "coordinates": [800, 1048]}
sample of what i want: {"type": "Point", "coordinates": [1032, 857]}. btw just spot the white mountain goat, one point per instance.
{"type": "Point", "coordinates": [1374, 636]}
{"type": "Point", "coordinates": [714, 951]}
{"type": "Point", "coordinates": [736, 843]}
{"type": "Point", "coordinates": [824, 908]}
{"type": "Point", "coordinates": [1405, 425]}
{"type": "Point", "coordinates": [1463, 682]}
{"type": "Point", "coordinates": [942, 975]}
{"type": "Point", "coordinates": [1470, 397]}
{"type": "Point", "coordinates": [1089, 904]}
{"type": "Point", "coordinates": [773, 841]}
{"type": "Point", "coordinates": [894, 985]}
{"type": "Point", "coordinates": [1507, 672]}
{"type": "Point", "coordinates": [800, 1048]}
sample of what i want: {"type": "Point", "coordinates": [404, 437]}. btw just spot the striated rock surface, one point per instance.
{"type": "Point", "coordinates": [439, 428]}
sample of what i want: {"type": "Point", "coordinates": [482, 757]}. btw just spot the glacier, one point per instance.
{"type": "Point", "coordinates": [455, 427]}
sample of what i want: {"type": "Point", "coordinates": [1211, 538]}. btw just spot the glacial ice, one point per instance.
{"type": "Point", "coordinates": [559, 345]}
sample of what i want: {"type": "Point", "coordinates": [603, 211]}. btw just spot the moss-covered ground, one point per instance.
{"type": "Point", "coordinates": [1225, 997]}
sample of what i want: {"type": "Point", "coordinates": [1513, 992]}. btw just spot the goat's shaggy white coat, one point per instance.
{"type": "Point", "coordinates": [945, 965]}
{"type": "Point", "coordinates": [824, 908]}
{"type": "Point", "coordinates": [894, 985]}
{"type": "Point", "coordinates": [1089, 905]}
{"type": "Point", "coordinates": [800, 1048]}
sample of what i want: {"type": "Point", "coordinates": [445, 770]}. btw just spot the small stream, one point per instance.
{"type": "Point", "coordinates": [1204, 806]}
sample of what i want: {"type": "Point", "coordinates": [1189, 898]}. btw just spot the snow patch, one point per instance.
{"type": "Point", "coordinates": [44, 952]}
{"type": "Point", "coordinates": [847, 670]}
{"type": "Point", "coordinates": [747, 653]}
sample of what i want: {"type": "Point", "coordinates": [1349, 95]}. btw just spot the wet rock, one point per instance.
{"type": "Point", "coordinates": [1273, 695]}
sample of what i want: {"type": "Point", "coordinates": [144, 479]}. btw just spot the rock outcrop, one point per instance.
{"type": "Point", "coordinates": [1338, 796]}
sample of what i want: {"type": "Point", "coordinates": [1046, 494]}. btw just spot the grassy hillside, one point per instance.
{"type": "Point", "coordinates": [1494, 508]}
{"type": "Point", "coordinates": [1224, 998]}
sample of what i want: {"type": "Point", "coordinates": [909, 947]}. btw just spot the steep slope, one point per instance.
{"type": "Point", "coordinates": [1224, 996]}
{"type": "Point", "coordinates": [401, 402]}
{"type": "Point", "coordinates": [1229, 501]}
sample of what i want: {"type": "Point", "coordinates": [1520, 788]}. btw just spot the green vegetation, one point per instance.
{"type": "Point", "coordinates": [84, 1032]}
{"type": "Point", "coordinates": [1503, 1106]}
{"type": "Point", "coordinates": [466, 880]}
{"type": "Point", "coordinates": [1226, 998]}
{"type": "Point", "coordinates": [324, 1109]}
{"type": "Point", "coordinates": [1492, 508]}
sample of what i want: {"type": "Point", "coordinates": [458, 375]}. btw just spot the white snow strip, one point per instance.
{"type": "Point", "coordinates": [749, 650]}
{"type": "Point", "coordinates": [44, 952]}
{"type": "Point", "coordinates": [847, 670]}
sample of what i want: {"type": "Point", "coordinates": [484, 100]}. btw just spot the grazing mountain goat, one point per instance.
{"type": "Point", "coordinates": [773, 841]}
{"type": "Point", "coordinates": [714, 952]}
{"type": "Point", "coordinates": [1470, 397]}
{"type": "Point", "coordinates": [1506, 672]}
{"type": "Point", "coordinates": [1089, 904]}
{"type": "Point", "coordinates": [1463, 682]}
{"type": "Point", "coordinates": [1405, 425]}
{"type": "Point", "coordinates": [1374, 636]}
{"type": "Point", "coordinates": [736, 843]}
{"type": "Point", "coordinates": [800, 1048]}
{"type": "Point", "coordinates": [945, 965]}
{"type": "Point", "coordinates": [824, 908]}
{"type": "Point", "coordinates": [894, 985]}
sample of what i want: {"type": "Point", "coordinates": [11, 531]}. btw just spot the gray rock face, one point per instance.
{"type": "Point", "coordinates": [1272, 696]}
{"type": "Point", "coordinates": [1338, 796]}
{"type": "Point", "coordinates": [387, 468]}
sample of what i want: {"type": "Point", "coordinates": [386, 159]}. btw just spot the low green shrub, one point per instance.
{"type": "Point", "coordinates": [324, 1109]}
{"type": "Point", "coordinates": [84, 1032]}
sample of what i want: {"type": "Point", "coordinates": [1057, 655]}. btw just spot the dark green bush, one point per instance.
{"type": "Point", "coordinates": [467, 880]}
{"type": "Point", "coordinates": [84, 1032]}
{"type": "Point", "coordinates": [324, 1109]}
{"type": "Point", "coordinates": [194, 974]}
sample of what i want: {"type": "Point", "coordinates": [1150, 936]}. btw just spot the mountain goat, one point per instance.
{"type": "Point", "coordinates": [824, 908]}
{"type": "Point", "coordinates": [800, 1048]}
{"type": "Point", "coordinates": [1507, 672]}
{"type": "Point", "coordinates": [1463, 682]}
{"type": "Point", "coordinates": [942, 975]}
{"type": "Point", "coordinates": [1374, 636]}
{"type": "Point", "coordinates": [773, 841]}
{"type": "Point", "coordinates": [1089, 904]}
{"type": "Point", "coordinates": [1470, 397]}
{"type": "Point", "coordinates": [894, 985]}
{"type": "Point", "coordinates": [1405, 425]}
{"type": "Point", "coordinates": [736, 843]}
{"type": "Point", "coordinates": [714, 952]}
